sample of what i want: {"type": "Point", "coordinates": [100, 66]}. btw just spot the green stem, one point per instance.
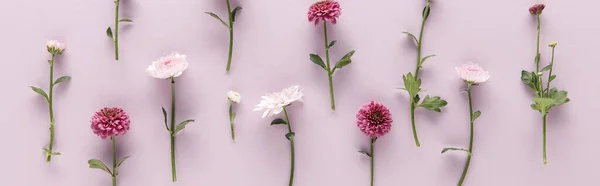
{"type": "Point", "coordinates": [550, 73]}
{"type": "Point", "coordinates": [230, 36]}
{"type": "Point", "coordinates": [329, 71]}
{"type": "Point", "coordinates": [289, 126]}
{"type": "Point", "coordinates": [116, 40]}
{"type": "Point", "coordinates": [373, 161]}
{"type": "Point", "coordinates": [231, 121]}
{"type": "Point", "coordinates": [114, 156]}
{"type": "Point", "coordinates": [173, 169]}
{"type": "Point", "coordinates": [538, 56]}
{"type": "Point", "coordinates": [464, 174]}
{"type": "Point", "coordinates": [51, 110]}
{"type": "Point", "coordinates": [414, 127]}
{"type": "Point", "coordinates": [544, 120]}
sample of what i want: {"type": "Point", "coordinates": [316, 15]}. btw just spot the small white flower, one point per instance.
{"type": "Point", "coordinates": [55, 47]}
{"type": "Point", "coordinates": [168, 66]}
{"type": "Point", "coordinates": [472, 73]}
{"type": "Point", "coordinates": [272, 104]}
{"type": "Point", "coordinates": [234, 96]}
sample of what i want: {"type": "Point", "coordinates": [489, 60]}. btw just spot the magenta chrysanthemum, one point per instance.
{"type": "Point", "coordinates": [326, 10]}
{"type": "Point", "coordinates": [374, 119]}
{"type": "Point", "coordinates": [537, 9]}
{"type": "Point", "coordinates": [110, 122]}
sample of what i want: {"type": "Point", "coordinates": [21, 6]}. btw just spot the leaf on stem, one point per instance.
{"type": "Point", "coordinates": [122, 160]}
{"type": "Point", "coordinates": [345, 60]}
{"type": "Point", "coordinates": [413, 36]}
{"type": "Point", "coordinates": [425, 58]}
{"type": "Point", "coordinates": [290, 136]}
{"type": "Point", "coordinates": [55, 153]}
{"type": "Point", "coordinates": [39, 91]}
{"type": "Point", "coordinates": [552, 77]}
{"type": "Point", "coordinates": [125, 20]}
{"type": "Point", "coordinates": [365, 153]}
{"type": "Point", "coordinates": [426, 11]}
{"type": "Point", "coordinates": [458, 149]}
{"type": "Point", "coordinates": [233, 12]}
{"type": "Point", "coordinates": [476, 115]}
{"type": "Point", "coordinates": [182, 125]}
{"type": "Point", "coordinates": [332, 43]}
{"type": "Point", "coordinates": [109, 33]}
{"type": "Point", "coordinates": [165, 115]}
{"type": "Point", "coordinates": [217, 17]}
{"type": "Point", "coordinates": [97, 164]}
{"type": "Point", "coordinates": [546, 68]}
{"type": "Point", "coordinates": [316, 59]}
{"type": "Point", "coordinates": [530, 79]}
{"type": "Point", "coordinates": [279, 121]}
{"type": "Point", "coordinates": [433, 103]}
{"type": "Point", "coordinates": [61, 79]}
{"type": "Point", "coordinates": [412, 85]}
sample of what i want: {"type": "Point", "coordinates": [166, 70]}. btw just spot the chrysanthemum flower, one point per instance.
{"type": "Point", "coordinates": [472, 73]}
{"type": "Point", "coordinates": [326, 10]}
{"type": "Point", "coordinates": [272, 104]}
{"type": "Point", "coordinates": [374, 119]}
{"type": "Point", "coordinates": [110, 122]}
{"type": "Point", "coordinates": [168, 66]}
{"type": "Point", "coordinates": [537, 9]}
{"type": "Point", "coordinates": [55, 47]}
{"type": "Point", "coordinates": [234, 96]}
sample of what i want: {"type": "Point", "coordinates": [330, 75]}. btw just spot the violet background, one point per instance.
{"type": "Point", "coordinates": [272, 43]}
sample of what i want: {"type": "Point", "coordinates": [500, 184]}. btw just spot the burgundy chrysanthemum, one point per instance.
{"type": "Point", "coordinates": [374, 119]}
{"type": "Point", "coordinates": [110, 122]}
{"type": "Point", "coordinates": [537, 9]}
{"type": "Point", "coordinates": [326, 10]}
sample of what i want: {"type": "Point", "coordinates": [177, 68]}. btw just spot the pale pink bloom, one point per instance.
{"type": "Point", "coordinates": [326, 10]}
{"type": "Point", "coordinates": [234, 96]}
{"type": "Point", "coordinates": [55, 47]}
{"type": "Point", "coordinates": [374, 119]}
{"type": "Point", "coordinates": [110, 122]}
{"type": "Point", "coordinates": [537, 9]}
{"type": "Point", "coordinates": [272, 104]}
{"type": "Point", "coordinates": [168, 66]}
{"type": "Point", "coordinates": [472, 73]}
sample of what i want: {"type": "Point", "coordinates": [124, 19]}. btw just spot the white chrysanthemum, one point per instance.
{"type": "Point", "coordinates": [168, 66]}
{"type": "Point", "coordinates": [272, 104]}
{"type": "Point", "coordinates": [55, 47]}
{"type": "Point", "coordinates": [472, 73]}
{"type": "Point", "coordinates": [234, 96]}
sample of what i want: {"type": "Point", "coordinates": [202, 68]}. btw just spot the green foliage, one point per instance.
{"type": "Point", "coordinates": [182, 125]}
{"type": "Point", "coordinates": [423, 60]}
{"type": "Point", "coordinates": [365, 153]}
{"type": "Point", "coordinates": [530, 79]}
{"type": "Point", "coordinates": [458, 149]}
{"type": "Point", "coordinates": [316, 59]}
{"type": "Point", "coordinates": [125, 20]}
{"type": "Point", "coordinates": [345, 60]}
{"type": "Point", "coordinates": [39, 91]}
{"type": "Point", "coordinates": [234, 12]}
{"type": "Point", "coordinates": [553, 98]}
{"type": "Point", "coordinates": [290, 136]}
{"type": "Point", "coordinates": [332, 43]}
{"type": "Point", "coordinates": [476, 115]}
{"type": "Point", "coordinates": [279, 121]}
{"type": "Point", "coordinates": [413, 36]}
{"type": "Point", "coordinates": [61, 79]}
{"type": "Point", "coordinates": [109, 33]}
{"type": "Point", "coordinates": [412, 85]}
{"type": "Point", "coordinates": [433, 103]}
{"type": "Point", "coordinates": [218, 18]}
{"type": "Point", "coordinates": [97, 164]}
{"type": "Point", "coordinates": [165, 115]}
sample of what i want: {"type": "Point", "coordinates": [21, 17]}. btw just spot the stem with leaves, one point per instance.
{"type": "Point", "coordinates": [109, 31]}
{"type": "Point", "coordinates": [329, 72]}
{"type": "Point", "coordinates": [472, 120]}
{"type": "Point", "coordinates": [114, 172]}
{"type": "Point", "coordinates": [290, 136]}
{"type": "Point", "coordinates": [114, 156]}
{"type": "Point", "coordinates": [372, 156]}
{"type": "Point", "coordinates": [231, 19]}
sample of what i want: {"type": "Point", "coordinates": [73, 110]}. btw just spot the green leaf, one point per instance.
{"type": "Point", "coordinates": [412, 86]}
{"type": "Point", "coordinates": [542, 104]}
{"type": "Point", "coordinates": [425, 58]}
{"type": "Point", "coordinates": [342, 62]}
{"type": "Point", "coordinates": [278, 121]}
{"type": "Point", "coordinates": [55, 153]}
{"type": "Point", "coordinates": [348, 55]}
{"type": "Point", "coordinates": [182, 125]}
{"type": "Point", "coordinates": [97, 164]}
{"type": "Point", "coordinates": [232, 117]}
{"type": "Point", "coordinates": [433, 103]}
{"type": "Point", "coordinates": [476, 115]}
{"type": "Point", "coordinates": [290, 136]}
{"type": "Point", "coordinates": [537, 58]}
{"type": "Point", "coordinates": [552, 77]}
{"type": "Point", "coordinates": [46, 150]}
{"type": "Point", "coordinates": [39, 91]}
{"type": "Point", "coordinates": [61, 79]}
{"type": "Point", "coordinates": [530, 79]}
{"type": "Point", "coordinates": [218, 18]}
{"type": "Point", "coordinates": [165, 115]}
{"type": "Point", "coordinates": [546, 68]}
{"type": "Point", "coordinates": [233, 12]}
{"type": "Point", "coordinates": [559, 97]}
{"type": "Point", "coordinates": [317, 60]}
{"type": "Point", "coordinates": [332, 43]}
{"type": "Point", "coordinates": [416, 99]}
{"type": "Point", "coordinates": [426, 11]}
{"type": "Point", "coordinates": [109, 33]}
{"type": "Point", "coordinates": [413, 36]}
{"type": "Point", "coordinates": [365, 153]}
{"type": "Point", "coordinates": [125, 20]}
{"type": "Point", "coordinates": [122, 160]}
{"type": "Point", "coordinates": [459, 149]}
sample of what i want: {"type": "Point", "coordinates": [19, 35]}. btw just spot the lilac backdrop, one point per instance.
{"type": "Point", "coordinates": [273, 40]}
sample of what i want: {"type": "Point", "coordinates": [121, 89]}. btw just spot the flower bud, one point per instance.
{"type": "Point", "coordinates": [54, 47]}
{"type": "Point", "coordinates": [537, 9]}
{"type": "Point", "coordinates": [552, 44]}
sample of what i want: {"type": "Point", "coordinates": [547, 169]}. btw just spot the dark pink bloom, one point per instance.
{"type": "Point", "coordinates": [537, 9]}
{"type": "Point", "coordinates": [326, 10]}
{"type": "Point", "coordinates": [374, 119]}
{"type": "Point", "coordinates": [110, 122]}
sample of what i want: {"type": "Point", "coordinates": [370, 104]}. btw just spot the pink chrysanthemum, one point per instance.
{"type": "Point", "coordinates": [110, 122]}
{"type": "Point", "coordinates": [326, 10]}
{"type": "Point", "coordinates": [374, 119]}
{"type": "Point", "coordinates": [537, 9]}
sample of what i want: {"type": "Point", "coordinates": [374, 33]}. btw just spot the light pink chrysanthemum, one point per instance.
{"type": "Point", "coordinates": [55, 47]}
{"type": "Point", "coordinates": [374, 119]}
{"type": "Point", "coordinates": [537, 9]}
{"type": "Point", "coordinates": [326, 10]}
{"type": "Point", "coordinates": [110, 122]}
{"type": "Point", "coordinates": [472, 73]}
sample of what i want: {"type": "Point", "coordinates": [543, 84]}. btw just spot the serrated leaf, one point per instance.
{"type": "Point", "coordinates": [458, 149]}
{"type": "Point", "coordinates": [412, 85]}
{"type": "Point", "coordinates": [290, 136]}
{"type": "Point", "coordinates": [530, 79]}
{"type": "Point", "coordinates": [413, 36]}
{"type": "Point", "coordinates": [316, 59]}
{"type": "Point", "coordinates": [182, 125]}
{"type": "Point", "coordinates": [97, 164]}
{"type": "Point", "coordinates": [332, 43]}
{"type": "Point", "coordinates": [61, 79]}
{"type": "Point", "coordinates": [234, 12]}
{"type": "Point", "coordinates": [433, 103]}
{"type": "Point", "coordinates": [278, 121]}
{"type": "Point", "coordinates": [365, 153]}
{"type": "Point", "coordinates": [122, 160]}
{"type": "Point", "coordinates": [559, 97]}
{"type": "Point", "coordinates": [109, 33]}
{"type": "Point", "coordinates": [546, 68]}
{"type": "Point", "coordinates": [425, 58]}
{"type": "Point", "coordinates": [165, 115]}
{"type": "Point", "coordinates": [218, 18]}
{"type": "Point", "coordinates": [476, 115]}
{"type": "Point", "coordinates": [552, 78]}
{"type": "Point", "coordinates": [125, 20]}
{"type": "Point", "coordinates": [39, 91]}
